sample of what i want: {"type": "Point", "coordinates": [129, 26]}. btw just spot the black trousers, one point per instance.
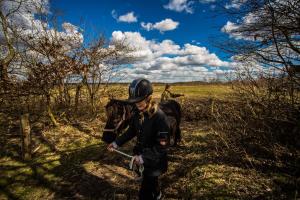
{"type": "Point", "coordinates": [150, 188]}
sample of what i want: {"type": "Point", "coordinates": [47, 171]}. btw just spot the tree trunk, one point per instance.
{"type": "Point", "coordinates": [49, 110]}
{"type": "Point", "coordinates": [61, 94]}
{"type": "Point", "coordinates": [77, 96]}
{"type": "Point", "coordinates": [3, 74]}
{"type": "Point", "coordinates": [67, 97]}
{"type": "Point", "coordinates": [26, 137]}
{"type": "Point", "coordinates": [92, 101]}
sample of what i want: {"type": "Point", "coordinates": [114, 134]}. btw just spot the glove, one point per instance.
{"type": "Point", "coordinates": [136, 164]}
{"type": "Point", "coordinates": [138, 159]}
{"type": "Point", "coordinates": [112, 146]}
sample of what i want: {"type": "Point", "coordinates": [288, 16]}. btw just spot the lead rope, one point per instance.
{"type": "Point", "coordinates": [131, 164]}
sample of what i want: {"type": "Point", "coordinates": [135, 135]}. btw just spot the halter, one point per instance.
{"type": "Point", "coordinates": [114, 130]}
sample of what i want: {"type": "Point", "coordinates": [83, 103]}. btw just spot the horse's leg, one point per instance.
{"type": "Point", "coordinates": [173, 123]}
{"type": "Point", "coordinates": [173, 141]}
{"type": "Point", "coordinates": [177, 134]}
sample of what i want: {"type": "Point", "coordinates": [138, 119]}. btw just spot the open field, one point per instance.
{"type": "Point", "coordinates": [71, 162]}
{"type": "Point", "coordinates": [190, 90]}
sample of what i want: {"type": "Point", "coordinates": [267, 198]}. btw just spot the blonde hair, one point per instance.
{"type": "Point", "coordinates": [151, 108]}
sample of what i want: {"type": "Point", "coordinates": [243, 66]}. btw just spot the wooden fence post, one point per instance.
{"type": "Point", "coordinates": [26, 137]}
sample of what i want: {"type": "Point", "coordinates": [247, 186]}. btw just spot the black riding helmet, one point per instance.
{"type": "Point", "coordinates": [139, 90]}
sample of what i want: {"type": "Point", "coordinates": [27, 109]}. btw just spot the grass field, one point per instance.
{"type": "Point", "coordinates": [72, 162]}
{"type": "Point", "coordinates": [191, 91]}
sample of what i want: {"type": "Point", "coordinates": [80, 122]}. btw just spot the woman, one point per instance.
{"type": "Point", "coordinates": [149, 125]}
{"type": "Point", "coordinates": [167, 94]}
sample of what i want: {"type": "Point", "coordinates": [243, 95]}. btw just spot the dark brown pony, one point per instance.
{"type": "Point", "coordinates": [119, 113]}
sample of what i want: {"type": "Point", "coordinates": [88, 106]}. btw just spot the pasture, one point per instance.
{"type": "Point", "coordinates": [71, 162]}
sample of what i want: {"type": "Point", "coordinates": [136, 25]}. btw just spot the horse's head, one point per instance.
{"type": "Point", "coordinates": [118, 114]}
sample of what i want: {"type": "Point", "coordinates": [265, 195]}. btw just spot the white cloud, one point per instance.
{"type": "Point", "coordinates": [231, 29]}
{"type": "Point", "coordinates": [147, 26]}
{"type": "Point", "coordinates": [21, 16]}
{"type": "Point", "coordinates": [70, 28]}
{"type": "Point", "coordinates": [168, 61]}
{"type": "Point", "coordinates": [128, 17]}
{"type": "Point", "coordinates": [237, 30]}
{"type": "Point", "coordinates": [162, 26]}
{"type": "Point", "coordinates": [166, 25]}
{"type": "Point", "coordinates": [180, 6]}
{"type": "Point", "coordinates": [235, 4]}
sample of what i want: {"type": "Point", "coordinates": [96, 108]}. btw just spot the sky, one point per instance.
{"type": "Point", "coordinates": [173, 39]}
{"type": "Point", "coordinates": [196, 24]}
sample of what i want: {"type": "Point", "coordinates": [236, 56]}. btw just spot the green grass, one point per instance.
{"type": "Point", "coordinates": [191, 91]}
{"type": "Point", "coordinates": [196, 91]}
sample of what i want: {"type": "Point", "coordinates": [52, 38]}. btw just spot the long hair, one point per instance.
{"type": "Point", "coordinates": [151, 108]}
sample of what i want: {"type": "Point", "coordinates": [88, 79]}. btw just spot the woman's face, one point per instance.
{"type": "Point", "coordinates": [142, 105]}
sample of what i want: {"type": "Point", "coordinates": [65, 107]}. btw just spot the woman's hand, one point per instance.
{"type": "Point", "coordinates": [112, 146]}
{"type": "Point", "coordinates": [138, 160]}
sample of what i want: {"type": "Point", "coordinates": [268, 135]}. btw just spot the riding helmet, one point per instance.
{"type": "Point", "coordinates": [139, 89]}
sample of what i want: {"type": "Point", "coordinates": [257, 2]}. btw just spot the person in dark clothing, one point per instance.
{"type": "Point", "coordinates": [167, 94]}
{"type": "Point", "coordinates": [149, 124]}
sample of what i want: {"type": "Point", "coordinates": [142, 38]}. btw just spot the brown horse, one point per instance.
{"type": "Point", "coordinates": [119, 113]}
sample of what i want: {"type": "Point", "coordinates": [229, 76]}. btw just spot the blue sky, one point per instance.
{"type": "Point", "coordinates": [186, 29]}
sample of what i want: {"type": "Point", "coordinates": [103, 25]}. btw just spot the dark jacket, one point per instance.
{"type": "Point", "coordinates": [149, 134]}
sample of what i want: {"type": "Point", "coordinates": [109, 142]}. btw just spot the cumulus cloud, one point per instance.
{"type": "Point", "coordinates": [235, 4]}
{"type": "Point", "coordinates": [180, 6]}
{"type": "Point", "coordinates": [238, 30]}
{"type": "Point", "coordinates": [21, 16]}
{"type": "Point", "coordinates": [168, 61]}
{"type": "Point", "coordinates": [231, 29]}
{"type": "Point", "coordinates": [128, 17]}
{"type": "Point", "coordinates": [162, 26]}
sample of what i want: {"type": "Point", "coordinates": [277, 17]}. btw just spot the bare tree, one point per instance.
{"type": "Point", "coordinates": [100, 62]}
{"type": "Point", "coordinates": [48, 58]}
{"type": "Point", "coordinates": [8, 39]}
{"type": "Point", "coordinates": [269, 32]}
{"type": "Point", "coordinates": [42, 59]}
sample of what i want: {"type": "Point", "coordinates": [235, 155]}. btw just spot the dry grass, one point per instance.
{"type": "Point", "coordinates": [72, 162]}
{"type": "Point", "coordinates": [90, 171]}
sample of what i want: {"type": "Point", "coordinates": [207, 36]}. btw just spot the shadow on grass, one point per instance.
{"type": "Point", "coordinates": [64, 177]}
{"type": "Point", "coordinates": [196, 171]}
{"type": "Point", "coordinates": [204, 173]}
